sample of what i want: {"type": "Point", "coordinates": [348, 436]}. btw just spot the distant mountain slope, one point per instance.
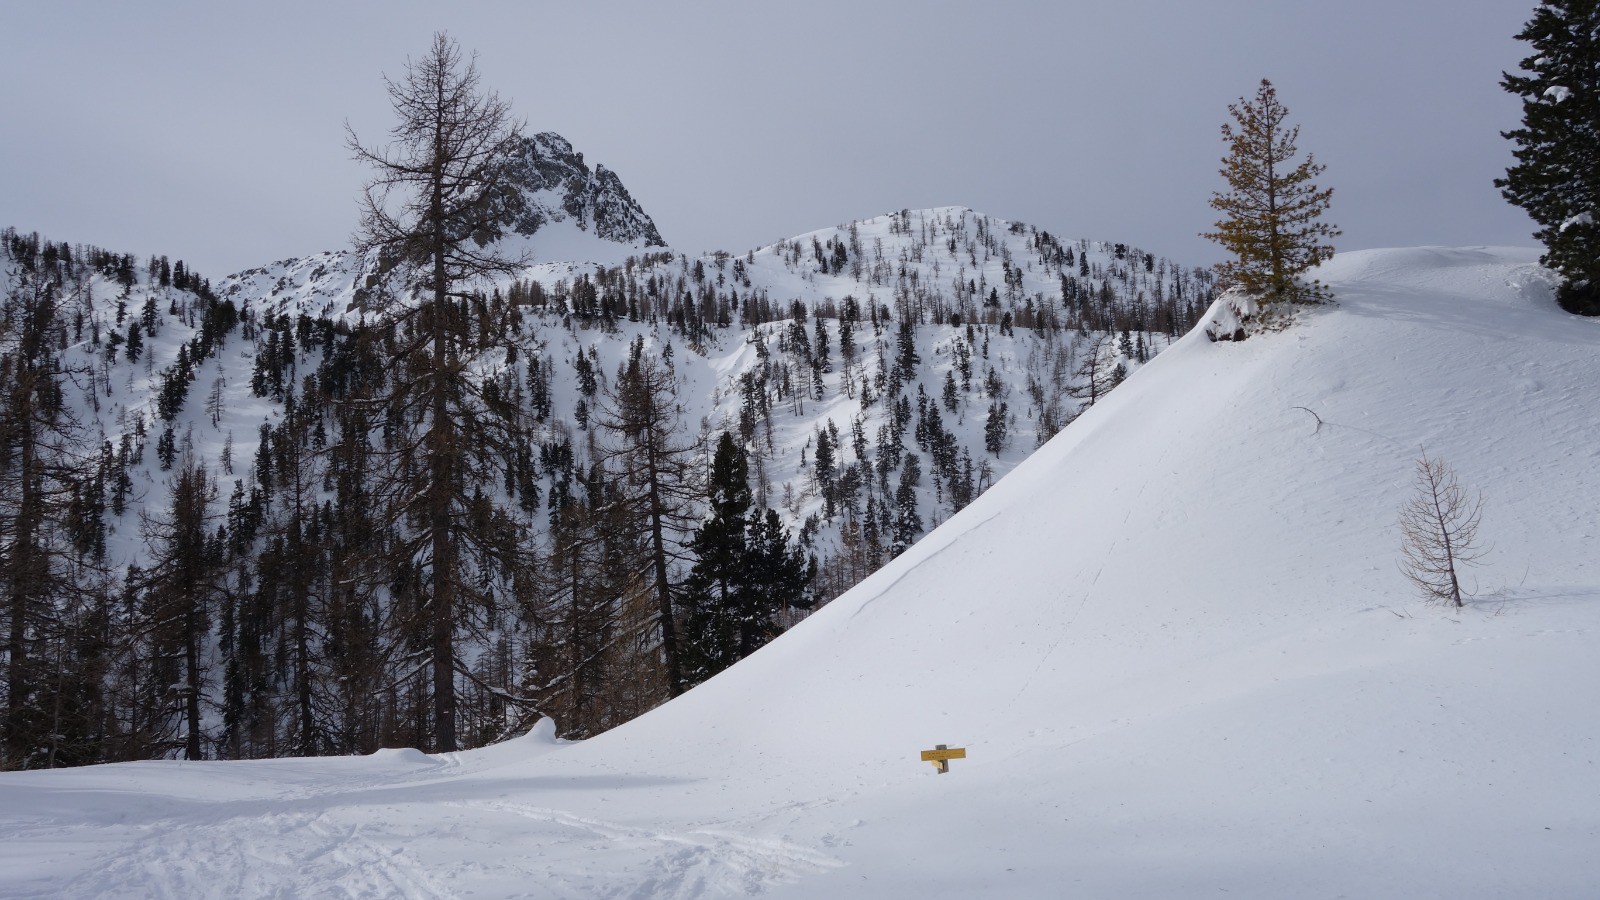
{"type": "Point", "coordinates": [1004, 311]}
{"type": "Point", "coordinates": [948, 271]}
{"type": "Point", "coordinates": [1173, 642]}
{"type": "Point", "coordinates": [879, 374]}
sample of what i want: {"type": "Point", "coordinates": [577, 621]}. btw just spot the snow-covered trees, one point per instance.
{"type": "Point", "coordinates": [1557, 174]}
{"type": "Point", "coordinates": [1272, 211]}
{"type": "Point", "coordinates": [995, 427]}
{"type": "Point", "coordinates": [1440, 527]}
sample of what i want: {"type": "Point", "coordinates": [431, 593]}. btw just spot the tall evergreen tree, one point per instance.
{"type": "Point", "coordinates": [653, 464]}
{"type": "Point", "coordinates": [42, 471]}
{"type": "Point", "coordinates": [714, 588]}
{"type": "Point", "coordinates": [355, 635]}
{"type": "Point", "coordinates": [293, 589]}
{"type": "Point", "coordinates": [181, 592]}
{"type": "Point", "coordinates": [1557, 175]}
{"type": "Point", "coordinates": [52, 530]}
{"type": "Point", "coordinates": [995, 427]}
{"type": "Point", "coordinates": [427, 218]}
{"type": "Point", "coordinates": [747, 574]}
{"type": "Point", "coordinates": [587, 667]}
{"type": "Point", "coordinates": [778, 573]}
{"type": "Point", "coordinates": [1272, 211]}
{"type": "Point", "coordinates": [907, 521]}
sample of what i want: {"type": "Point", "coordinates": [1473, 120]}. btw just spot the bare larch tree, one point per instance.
{"type": "Point", "coordinates": [44, 549]}
{"type": "Point", "coordinates": [1440, 528]}
{"type": "Point", "coordinates": [655, 466]}
{"type": "Point", "coordinates": [428, 221]}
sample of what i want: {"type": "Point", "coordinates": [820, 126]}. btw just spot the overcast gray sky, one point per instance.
{"type": "Point", "coordinates": [213, 131]}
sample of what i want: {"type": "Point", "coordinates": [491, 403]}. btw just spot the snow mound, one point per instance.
{"type": "Point", "coordinates": [1224, 320]}
{"type": "Point", "coordinates": [543, 732]}
{"type": "Point", "coordinates": [1174, 643]}
{"type": "Point", "coordinates": [404, 755]}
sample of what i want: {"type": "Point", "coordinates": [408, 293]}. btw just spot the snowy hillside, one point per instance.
{"type": "Point", "coordinates": [876, 377]}
{"type": "Point", "coordinates": [1174, 643]}
{"type": "Point", "coordinates": [966, 281]}
{"type": "Point", "coordinates": [1002, 315]}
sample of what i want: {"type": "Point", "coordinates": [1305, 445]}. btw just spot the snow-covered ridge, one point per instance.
{"type": "Point", "coordinates": [1174, 643]}
{"type": "Point", "coordinates": [952, 258]}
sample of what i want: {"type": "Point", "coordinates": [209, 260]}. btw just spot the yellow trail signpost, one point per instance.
{"type": "Point", "coordinates": [941, 755]}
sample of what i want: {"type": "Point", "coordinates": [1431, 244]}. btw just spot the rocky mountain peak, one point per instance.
{"type": "Point", "coordinates": [555, 185]}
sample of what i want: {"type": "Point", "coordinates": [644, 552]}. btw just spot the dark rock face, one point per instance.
{"type": "Point", "coordinates": [550, 183]}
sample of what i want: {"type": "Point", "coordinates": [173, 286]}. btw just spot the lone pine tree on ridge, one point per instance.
{"type": "Point", "coordinates": [1272, 210]}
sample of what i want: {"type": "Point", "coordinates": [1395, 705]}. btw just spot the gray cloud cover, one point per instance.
{"type": "Point", "coordinates": [213, 131]}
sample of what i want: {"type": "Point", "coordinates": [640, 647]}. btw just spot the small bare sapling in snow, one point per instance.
{"type": "Point", "coordinates": [1439, 525]}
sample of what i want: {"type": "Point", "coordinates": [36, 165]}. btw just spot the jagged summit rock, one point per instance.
{"type": "Point", "coordinates": [555, 185]}
{"type": "Point", "coordinates": [555, 209]}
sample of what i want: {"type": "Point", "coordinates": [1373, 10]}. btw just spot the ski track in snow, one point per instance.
{"type": "Point", "coordinates": [916, 562]}
{"type": "Point", "coordinates": [688, 863]}
{"type": "Point", "coordinates": [350, 849]}
{"type": "Point", "coordinates": [271, 855]}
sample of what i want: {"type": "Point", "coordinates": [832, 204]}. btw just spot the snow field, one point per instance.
{"type": "Point", "coordinates": [1174, 641]}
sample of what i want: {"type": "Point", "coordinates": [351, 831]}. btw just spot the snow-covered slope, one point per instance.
{"type": "Point", "coordinates": [1174, 642]}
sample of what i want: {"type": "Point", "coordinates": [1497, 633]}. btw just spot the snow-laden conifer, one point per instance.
{"type": "Point", "coordinates": [1557, 174]}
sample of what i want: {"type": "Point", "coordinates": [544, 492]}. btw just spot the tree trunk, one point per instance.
{"type": "Point", "coordinates": [658, 561]}
{"type": "Point", "coordinates": [23, 566]}
{"type": "Point", "coordinates": [302, 628]}
{"type": "Point", "coordinates": [26, 560]}
{"type": "Point", "coordinates": [440, 494]}
{"type": "Point", "coordinates": [191, 657]}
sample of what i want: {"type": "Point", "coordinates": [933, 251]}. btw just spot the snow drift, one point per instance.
{"type": "Point", "coordinates": [1174, 642]}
